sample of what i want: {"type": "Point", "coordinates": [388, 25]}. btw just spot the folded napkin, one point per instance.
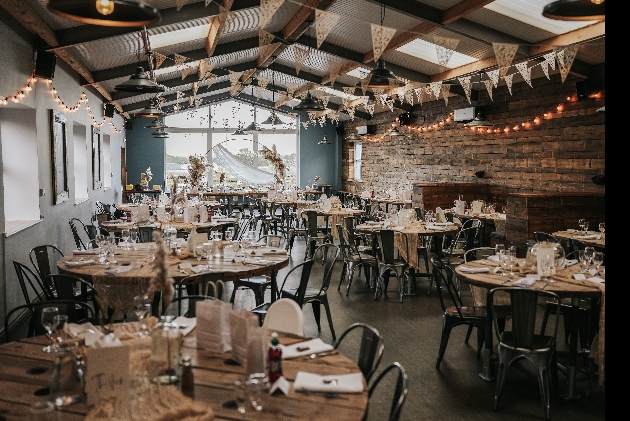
{"type": "Point", "coordinates": [313, 346]}
{"type": "Point", "coordinates": [274, 253]}
{"type": "Point", "coordinates": [372, 223]}
{"type": "Point", "coordinates": [570, 262]}
{"type": "Point", "coordinates": [252, 261]}
{"type": "Point", "coordinates": [493, 258]}
{"type": "Point", "coordinates": [198, 268]}
{"type": "Point", "coordinates": [118, 269]}
{"type": "Point", "coordinates": [442, 224]}
{"type": "Point", "coordinates": [467, 269]}
{"type": "Point", "coordinates": [81, 263]}
{"type": "Point", "coordinates": [85, 252]}
{"type": "Point", "coordinates": [435, 227]}
{"type": "Point", "coordinates": [587, 237]}
{"type": "Point", "coordinates": [86, 331]}
{"type": "Point", "coordinates": [596, 280]}
{"type": "Point", "coordinates": [579, 276]}
{"type": "Point", "coordinates": [186, 324]}
{"type": "Point", "coordinates": [345, 383]}
{"type": "Point", "coordinates": [573, 230]}
{"type": "Point", "coordinates": [524, 282]}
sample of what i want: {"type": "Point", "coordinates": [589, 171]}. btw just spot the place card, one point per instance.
{"type": "Point", "coordinates": [281, 384]}
{"type": "Point", "coordinates": [107, 374]}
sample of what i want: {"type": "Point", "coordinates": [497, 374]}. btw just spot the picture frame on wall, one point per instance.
{"type": "Point", "coordinates": [59, 154]}
{"type": "Point", "coordinates": [97, 176]}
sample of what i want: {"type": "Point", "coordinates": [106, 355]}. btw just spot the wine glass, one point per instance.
{"type": "Point", "coordinates": [48, 323]}
{"type": "Point", "coordinates": [152, 248]}
{"type": "Point", "coordinates": [133, 236]}
{"type": "Point", "coordinates": [124, 236]}
{"type": "Point", "coordinates": [43, 411]}
{"type": "Point", "coordinates": [581, 224]}
{"type": "Point", "coordinates": [547, 265]}
{"type": "Point", "coordinates": [598, 260]}
{"type": "Point", "coordinates": [585, 227]}
{"type": "Point", "coordinates": [142, 308]}
{"type": "Point", "coordinates": [199, 253]}
{"type": "Point", "coordinates": [504, 259]}
{"type": "Point", "coordinates": [207, 249]}
{"type": "Point", "coordinates": [583, 259]}
{"type": "Point", "coordinates": [229, 233]}
{"type": "Point", "coordinates": [498, 249]}
{"type": "Point", "coordinates": [511, 262]}
{"type": "Point", "coordinates": [602, 227]}
{"type": "Point", "coordinates": [59, 322]}
{"type": "Point", "coordinates": [112, 249]}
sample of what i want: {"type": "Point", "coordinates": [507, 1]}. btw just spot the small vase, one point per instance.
{"type": "Point", "coordinates": [165, 352]}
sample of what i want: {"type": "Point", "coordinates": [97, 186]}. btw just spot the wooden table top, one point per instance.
{"type": "Point", "coordinates": [114, 226]}
{"type": "Point", "coordinates": [486, 217]}
{"type": "Point", "coordinates": [26, 371]}
{"type": "Point", "coordinates": [418, 227]}
{"type": "Point", "coordinates": [567, 235]}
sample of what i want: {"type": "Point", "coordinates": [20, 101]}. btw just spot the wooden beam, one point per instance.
{"type": "Point", "coordinates": [461, 9]}
{"type": "Point", "coordinates": [302, 15]}
{"type": "Point", "coordinates": [590, 32]}
{"type": "Point", "coordinates": [267, 53]}
{"type": "Point", "coordinates": [402, 39]}
{"type": "Point", "coordinates": [24, 13]}
{"type": "Point", "coordinates": [348, 67]}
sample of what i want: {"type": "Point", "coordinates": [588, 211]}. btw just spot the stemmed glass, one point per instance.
{"type": "Point", "coordinates": [504, 259]}
{"type": "Point", "coordinates": [124, 236]}
{"type": "Point", "coordinates": [142, 307]}
{"type": "Point", "coordinates": [588, 255]}
{"type": "Point", "coordinates": [48, 323]}
{"type": "Point", "coordinates": [581, 224]}
{"type": "Point", "coordinates": [207, 249]}
{"type": "Point", "coordinates": [498, 249]}
{"type": "Point", "coordinates": [111, 248]}
{"type": "Point", "coordinates": [199, 252]}
{"type": "Point", "coordinates": [229, 233]}
{"type": "Point", "coordinates": [59, 322]}
{"type": "Point", "coordinates": [582, 257]}
{"type": "Point", "coordinates": [598, 260]}
{"type": "Point", "coordinates": [133, 236]}
{"type": "Point", "coordinates": [152, 248]}
{"type": "Point", "coordinates": [602, 227]}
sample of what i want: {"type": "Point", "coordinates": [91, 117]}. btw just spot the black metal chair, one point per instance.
{"type": "Point", "coordinates": [400, 392]}
{"type": "Point", "coordinates": [387, 262]}
{"type": "Point", "coordinates": [190, 300]}
{"type": "Point", "coordinates": [543, 236]}
{"type": "Point", "coordinates": [317, 296]}
{"type": "Point", "coordinates": [200, 284]}
{"type": "Point", "coordinates": [370, 350]}
{"type": "Point", "coordinates": [353, 259]}
{"type": "Point", "coordinates": [44, 260]}
{"type": "Point", "coordinates": [314, 236]}
{"type": "Point", "coordinates": [519, 340]}
{"type": "Point", "coordinates": [68, 287]}
{"type": "Point", "coordinates": [34, 310]}
{"type": "Point", "coordinates": [75, 234]}
{"type": "Point", "coordinates": [145, 234]}
{"type": "Point", "coordinates": [32, 287]}
{"type": "Point", "coordinates": [455, 313]}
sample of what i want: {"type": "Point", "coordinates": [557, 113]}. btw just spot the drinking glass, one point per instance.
{"type": "Point", "coordinates": [229, 233]}
{"type": "Point", "coordinates": [598, 260]}
{"type": "Point", "coordinates": [581, 224]}
{"type": "Point", "coordinates": [602, 227]}
{"type": "Point", "coordinates": [547, 263]}
{"type": "Point", "coordinates": [583, 259]}
{"type": "Point", "coordinates": [48, 323]}
{"type": "Point", "coordinates": [207, 249]}
{"type": "Point", "coordinates": [585, 226]}
{"type": "Point", "coordinates": [112, 249]}
{"type": "Point", "coordinates": [43, 411]}
{"type": "Point", "coordinates": [124, 236]}
{"type": "Point", "coordinates": [152, 247]}
{"type": "Point", "coordinates": [142, 308]}
{"type": "Point", "coordinates": [498, 249]}
{"type": "Point", "coordinates": [240, 395]}
{"type": "Point", "coordinates": [199, 253]}
{"type": "Point", "coordinates": [256, 385]}
{"type": "Point", "coordinates": [511, 261]}
{"type": "Point", "coordinates": [133, 236]}
{"type": "Point", "coordinates": [504, 259]}
{"type": "Point", "coordinates": [59, 322]}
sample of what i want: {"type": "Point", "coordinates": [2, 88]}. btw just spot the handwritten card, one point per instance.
{"type": "Point", "coordinates": [107, 374]}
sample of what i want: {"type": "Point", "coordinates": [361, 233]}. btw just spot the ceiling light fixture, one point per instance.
{"type": "Point", "coordinates": [156, 124]}
{"type": "Point", "coordinates": [575, 10]}
{"type": "Point", "coordinates": [354, 136]}
{"type": "Point", "coordinates": [273, 118]}
{"type": "Point", "coordinates": [253, 127]}
{"type": "Point", "coordinates": [151, 111]}
{"type": "Point", "coordinates": [160, 133]}
{"type": "Point", "coordinates": [394, 132]}
{"type": "Point", "coordinates": [324, 141]}
{"type": "Point", "coordinates": [309, 103]}
{"type": "Point", "coordinates": [140, 83]}
{"type": "Point", "coordinates": [381, 77]}
{"type": "Point", "coordinates": [479, 121]}
{"type": "Point", "coordinates": [239, 131]}
{"type": "Point", "coordinates": [120, 13]}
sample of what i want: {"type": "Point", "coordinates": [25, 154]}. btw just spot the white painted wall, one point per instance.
{"type": "Point", "coordinates": [81, 171]}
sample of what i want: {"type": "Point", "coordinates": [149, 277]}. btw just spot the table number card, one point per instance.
{"type": "Point", "coordinates": [107, 374]}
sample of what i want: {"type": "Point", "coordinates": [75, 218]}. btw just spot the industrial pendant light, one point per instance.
{"type": "Point", "coordinates": [140, 83]}
{"type": "Point", "coordinates": [121, 13]}
{"type": "Point", "coordinates": [156, 124]}
{"type": "Point", "coordinates": [394, 132]}
{"type": "Point", "coordinates": [160, 133]}
{"type": "Point", "coordinates": [151, 111]}
{"type": "Point", "coordinates": [309, 103]}
{"type": "Point", "coordinates": [575, 10]}
{"type": "Point", "coordinates": [479, 121]}
{"type": "Point", "coordinates": [239, 131]}
{"type": "Point", "coordinates": [253, 127]}
{"type": "Point", "coordinates": [354, 136]}
{"type": "Point", "coordinates": [324, 141]}
{"type": "Point", "coordinates": [381, 77]}
{"type": "Point", "coordinates": [273, 119]}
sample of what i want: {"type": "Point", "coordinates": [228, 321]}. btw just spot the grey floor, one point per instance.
{"type": "Point", "coordinates": [411, 333]}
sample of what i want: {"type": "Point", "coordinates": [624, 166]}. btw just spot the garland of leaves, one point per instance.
{"type": "Point", "coordinates": [197, 170]}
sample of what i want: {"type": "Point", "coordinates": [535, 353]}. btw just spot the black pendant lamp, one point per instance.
{"type": "Point", "coordinates": [309, 103]}
{"type": "Point", "coordinates": [324, 141]}
{"type": "Point", "coordinates": [120, 13]}
{"type": "Point", "coordinates": [140, 83]}
{"type": "Point", "coordinates": [252, 128]}
{"type": "Point", "coordinates": [479, 121]}
{"type": "Point", "coordinates": [381, 76]}
{"type": "Point", "coordinates": [575, 10]}
{"type": "Point", "coordinates": [160, 133]}
{"type": "Point", "coordinates": [151, 112]}
{"type": "Point", "coordinates": [354, 137]}
{"type": "Point", "coordinates": [395, 132]}
{"type": "Point", "coordinates": [156, 124]}
{"type": "Point", "coordinates": [273, 119]}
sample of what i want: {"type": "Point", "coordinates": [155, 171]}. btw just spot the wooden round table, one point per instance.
{"type": "Point", "coordinates": [26, 373]}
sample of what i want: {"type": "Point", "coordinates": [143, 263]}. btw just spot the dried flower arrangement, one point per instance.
{"type": "Point", "coordinates": [222, 177]}
{"type": "Point", "coordinates": [145, 177]}
{"type": "Point", "coordinates": [317, 177]}
{"type": "Point", "coordinates": [161, 282]}
{"type": "Point", "coordinates": [197, 170]}
{"type": "Point", "coordinates": [177, 197]}
{"type": "Point", "coordinates": [273, 157]}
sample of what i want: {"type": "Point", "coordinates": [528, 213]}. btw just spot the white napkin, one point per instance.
{"type": "Point", "coordinates": [493, 258]}
{"type": "Point", "coordinates": [570, 262]}
{"type": "Point", "coordinates": [186, 324]}
{"type": "Point", "coordinates": [435, 227]}
{"type": "Point", "coordinates": [373, 223]}
{"type": "Point", "coordinates": [81, 263]}
{"type": "Point", "coordinates": [587, 237]}
{"type": "Point", "coordinates": [198, 268]}
{"type": "Point", "coordinates": [299, 349]}
{"type": "Point", "coordinates": [281, 384]}
{"type": "Point", "coordinates": [260, 262]}
{"type": "Point", "coordinates": [85, 331]}
{"type": "Point", "coordinates": [573, 230]}
{"type": "Point", "coordinates": [345, 383]}
{"type": "Point", "coordinates": [85, 252]}
{"type": "Point", "coordinates": [273, 252]}
{"type": "Point", "coordinates": [474, 270]}
{"type": "Point", "coordinates": [442, 224]}
{"type": "Point", "coordinates": [579, 276]}
{"type": "Point", "coordinates": [596, 280]}
{"type": "Point", "coordinates": [524, 282]}
{"type": "Point", "coordinates": [118, 269]}
{"type": "Point", "coordinates": [185, 265]}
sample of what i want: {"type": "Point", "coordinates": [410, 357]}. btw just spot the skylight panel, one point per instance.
{"type": "Point", "coordinates": [530, 12]}
{"type": "Point", "coordinates": [426, 51]}
{"type": "Point", "coordinates": [179, 36]}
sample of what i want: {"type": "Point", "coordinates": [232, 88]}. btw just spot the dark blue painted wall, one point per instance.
{"type": "Point", "coordinates": [322, 160]}
{"type": "Point", "coordinates": [144, 151]}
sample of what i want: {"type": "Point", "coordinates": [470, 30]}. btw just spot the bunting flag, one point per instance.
{"type": "Point", "coordinates": [465, 82]}
{"type": "Point", "coordinates": [291, 87]}
{"type": "Point", "coordinates": [363, 100]}
{"type": "Point", "coordinates": [565, 60]}
{"type": "Point", "coordinates": [234, 90]}
{"type": "Point", "coordinates": [324, 23]}
{"type": "Point", "coordinates": [526, 72]}
{"type": "Point", "coordinates": [302, 94]}
{"type": "Point", "coordinates": [267, 9]}
{"type": "Point", "coordinates": [445, 90]}
{"type": "Point", "coordinates": [208, 2]}
{"type": "Point", "coordinates": [364, 83]}
{"type": "Point", "coordinates": [312, 115]}
{"type": "Point", "coordinates": [204, 68]}
{"type": "Point", "coordinates": [390, 103]}
{"type": "Point", "coordinates": [409, 96]}
{"type": "Point", "coordinates": [179, 59]}
{"type": "Point", "coordinates": [191, 100]}
{"type": "Point", "coordinates": [428, 91]}
{"type": "Point", "coordinates": [300, 57]}
{"type": "Point", "coordinates": [334, 117]}
{"type": "Point", "coordinates": [444, 47]}
{"type": "Point", "coordinates": [180, 95]}
{"type": "Point", "coordinates": [488, 84]}
{"type": "Point", "coordinates": [494, 77]}
{"type": "Point", "coordinates": [550, 59]}
{"type": "Point", "coordinates": [504, 54]}
{"type": "Point", "coordinates": [418, 92]}
{"type": "Point", "coordinates": [383, 98]}
{"type": "Point", "coordinates": [349, 90]}
{"type": "Point", "coordinates": [401, 96]}
{"type": "Point", "coordinates": [381, 35]}
{"type": "Point", "coordinates": [370, 108]}
{"type": "Point", "coordinates": [234, 77]}
{"type": "Point", "coordinates": [436, 88]}
{"type": "Point", "coordinates": [393, 83]}
{"type": "Point", "coordinates": [258, 91]}
{"type": "Point", "coordinates": [334, 68]}
{"type": "Point", "coordinates": [180, 4]}
{"type": "Point", "coordinates": [378, 91]}
{"type": "Point", "coordinates": [264, 42]}
{"type": "Point", "coordinates": [198, 102]}
{"type": "Point", "coordinates": [161, 100]}
{"type": "Point", "coordinates": [195, 88]}
{"type": "Point", "coordinates": [159, 59]}
{"type": "Point", "coordinates": [351, 111]}
{"type": "Point", "coordinates": [344, 101]}
{"type": "Point", "coordinates": [176, 107]}
{"type": "Point", "coordinates": [324, 100]}
{"type": "Point", "coordinates": [322, 120]}
{"type": "Point", "coordinates": [305, 125]}
{"type": "Point", "coordinates": [508, 81]}
{"type": "Point", "coordinates": [210, 77]}
{"type": "Point", "coordinates": [185, 71]}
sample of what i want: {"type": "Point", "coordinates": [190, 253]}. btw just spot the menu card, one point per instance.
{"type": "Point", "coordinates": [213, 325]}
{"type": "Point", "coordinates": [107, 374]}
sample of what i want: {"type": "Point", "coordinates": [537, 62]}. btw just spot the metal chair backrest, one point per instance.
{"type": "Point", "coordinates": [524, 312]}
{"type": "Point", "coordinates": [44, 260]}
{"type": "Point", "coordinates": [203, 281]}
{"type": "Point", "coordinates": [350, 247]}
{"type": "Point", "coordinates": [311, 223]}
{"type": "Point", "coordinates": [444, 279]}
{"type": "Point", "coordinates": [330, 253]}
{"type": "Point", "coordinates": [471, 223]}
{"type": "Point", "coordinates": [467, 236]}
{"type": "Point", "coordinates": [64, 285]}
{"type": "Point", "coordinates": [305, 267]}
{"type": "Point", "coordinates": [145, 234]}
{"type": "Point", "coordinates": [274, 241]}
{"type": "Point", "coordinates": [386, 243]}
{"type": "Point", "coordinates": [77, 239]}
{"type": "Point", "coordinates": [419, 214]}
{"type": "Point", "coordinates": [478, 253]}
{"type": "Point", "coordinates": [541, 237]}
{"type": "Point", "coordinates": [91, 232]}
{"type": "Point", "coordinates": [32, 287]}
{"type": "Point", "coordinates": [370, 351]}
{"type": "Point", "coordinates": [191, 299]}
{"type": "Point", "coordinates": [400, 392]}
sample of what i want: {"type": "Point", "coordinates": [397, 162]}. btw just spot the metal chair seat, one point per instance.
{"type": "Point", "coordinates": [466, 312]}
{"type": "Point", "coordinates": [353, 259]}
{"type": "Point", "coordinates": [387, 262]}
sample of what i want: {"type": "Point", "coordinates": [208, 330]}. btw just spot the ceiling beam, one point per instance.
{"type": "Point", "coordinates": [597, 30]}
{"type": "Point", "coordinates": [24, 13]}
{"type": "Point", "coordinates": [303, 19]}
{"type": "Point", "coordinates": [461, 9]}
{"type": "Point", "coordinates": [87, 33]}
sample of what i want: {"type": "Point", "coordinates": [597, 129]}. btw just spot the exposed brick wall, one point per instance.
{"type": "Point", "coordinates": [562, 153]}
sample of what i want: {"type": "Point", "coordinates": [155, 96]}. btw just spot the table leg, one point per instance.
{"type": "Point", "coordinates": [274, 285]}
{"type": "Point", "coordinates": [570, 393]}
{"type": "Point", "coordinates": [488, 368]}
{"type": "Point", "coordinates": [439, 239]}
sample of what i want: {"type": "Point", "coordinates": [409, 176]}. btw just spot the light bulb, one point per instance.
{"type": "Point", "coordinates": [597, 1]}
{"type": "Point", "coordinates": [104, 7]}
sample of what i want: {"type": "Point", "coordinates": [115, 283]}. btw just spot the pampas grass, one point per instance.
{"type": "Point", "coordinates": [161, 282]}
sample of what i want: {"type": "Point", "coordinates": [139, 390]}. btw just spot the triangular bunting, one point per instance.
{"type": "Point", "coordinates": [444, 47]}
{"type": "Point", "coordinates": [180, 3]}
{"type": "Point", "coordinates": [334, 117]}
{"type": "Point", "coordinates": [378, 91]}
{"type": "Point", "coordinates": [234, 76]}
{"type": "Point", "coordinates": [381, 35]}
{"type": "Point", "coordinates": [545, 68]}
{"type": "Point", "coordinates": [409, 96]}
{"type": "Point", "coordinates": [305, 125]}
{"type": "Point", "coordinates": [390, 103]}
{"type": "Point", "coordinates": [291, 87]}
{"type": "Point", "coordinates": [418, 92]}
{"type": "Point", "coordinates": [334, 68]}
{"type": "Point", "coordinates": [267, 9]}
{"type": "Point", "coordinates": [180, 95]}
{"type": "Point", "coordinates": [185, 71]}
{"type": "Point", "coordinates": [550, 59]}
{"type": "Point", "coordinates": [351, 111]}
{"type": "Point", "coordinates": [508, 81]}
{"type": "Point", "coordinates": [344, 101]}
{"type": "Point", "coordinates": [176, 107]}
{"type": "Point", "coordinates": [322, 120]}
{"type": "Point", "coordinates": [494, 77]}
{"type": "Point", "coordinates": [565, 60]}
{"type": "Point", "coordinates": [349, 90]}
{"type": "Point", "coordinates": [324, 23]}
{"type": "Point", "coordinates": [258, 91]}
{"type": "Point", "coordinates": [488, 84]}
{"type": "Point", "coordinates": [210, 77]}
{"type": "Point", "coordinates": [504, 54]}
{"type": "Point", "coordinates": [526, 72]}
{"type": "Point", "coordinates": [383, 98]}
{"type": "Point", "coordinates": [159, 59]}
{"type": "Point", "coordinates": [401, 96]}
{"type": "Point", "coordinates": [445, 90]}
{"type": "Point", "coordinates": [465, 82]}
{"type": "Point", "coordinates": [195, 88]}
{"type": "Point", "coordinates": [264, 37]}
{"type": "Point", "coordinates": [300, 58]}
{"type": "Point", "coordinates": [428, 90]}
{"type": "Point", "coordinates": [324, 100]}
{"type": "Point", "coordinates": [436, 88]}
{"type": "Point", "coordinates": [198, 102]}
{"type": "Point", "coordinates": [364, 82]}
{"type": "Point", "coordinates": [263, 82]}
{"type": "Point", "coordinates": [179, 59]}
{"type": "Point", "coordinates": [312, 116]}
{"type": "Point", "coordinates": [235, 88]}
{"type": "Point", "coordinates": [191, 100]}
{"type": "Point", "coordinates": [370, 107]}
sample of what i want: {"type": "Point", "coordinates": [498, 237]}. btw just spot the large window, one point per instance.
{"type": "Point", "coordinates": [204, 130]}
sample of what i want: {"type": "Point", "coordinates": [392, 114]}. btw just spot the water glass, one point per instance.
{"type": "Point", "coordinates": [142, 308]}
{"type": "Point", "coordinates": [229, 233]}
{"type": "Point", "coordinates": [504, 259]}
{"type": "Point", "coordinates": [152, 247]}
{"type": "Point", "coordinates": [581, 223]}
{"type": "Point", "coordinates": [256, 387]}
{"type": "Point", "coordinates": [48, 323]}
{"type": "Point", "coordinates": [43, 411]}
{"type": "Point", "coordinates": [499, 248]}
{"type": "Point", "coordinates": [124, 236]}
{"type": "Point", "coordinates": [598, 260]}
{"type": "Point", "coordinates": [59, 322]}
{"type": "Point", "coordinates": [240, 395]}
{"type": "Point", "coordinates": [583, 259]}
{"type": "Point", "coordinates": [133, 236]}
{"type": "Point", "coordinates": [602, 227]}
{"type": "Point", "coordinates": [548, 263]}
